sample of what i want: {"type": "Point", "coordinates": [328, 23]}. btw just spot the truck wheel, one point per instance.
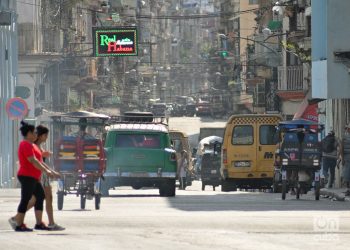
{"type": "Point", "coordinates": [228, 185]}
{"type": "Point", "coordinates": [203, 186]}
{"type": "Point", "coordinates": [168, 188]}
{"type": "Point", "coordinates": [60, 198]}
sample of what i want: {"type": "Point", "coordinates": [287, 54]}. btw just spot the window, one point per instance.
{"type": "Point", "coordinates": [253, 2]}
{"type": "Point", "coordinates": [177, 145]}
{"type": "Point", "coordinates": [243, 135]}
{"type": "Point", "coordinates": [5, 4]}
{"type": "Point", "coordinates": [268, 135]}
{"type": "Point", "coordinates": [137, 141]}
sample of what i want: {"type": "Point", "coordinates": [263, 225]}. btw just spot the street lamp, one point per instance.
{"type": "Point", "coordinates": [267, 32]}
{"type": "Point", "coordinates": [278, 8]}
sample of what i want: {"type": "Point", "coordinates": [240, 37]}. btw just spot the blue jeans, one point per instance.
{"type": "Point", "coordinates": [329, 164]}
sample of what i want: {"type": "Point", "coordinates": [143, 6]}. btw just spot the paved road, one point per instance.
{"type": "Point", "coordinates": [140, 219]}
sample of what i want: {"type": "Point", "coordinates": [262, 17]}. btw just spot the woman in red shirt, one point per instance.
{"type": "Point", "coordinates": [29, 174]}
{"type": "Point", "coordinates": [42, 134]}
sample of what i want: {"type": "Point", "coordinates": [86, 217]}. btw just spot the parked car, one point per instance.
{"type": "Point", "coordinates": [203, 108]}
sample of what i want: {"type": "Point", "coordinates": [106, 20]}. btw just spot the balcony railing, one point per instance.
{"type": "Point", "coordinates": [291, 79]}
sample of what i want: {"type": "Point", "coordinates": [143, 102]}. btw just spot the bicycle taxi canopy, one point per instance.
{"type": "Point", "coordinates": [300, 124]}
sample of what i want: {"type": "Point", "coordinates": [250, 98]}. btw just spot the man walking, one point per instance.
{"type": "Point", "coordinates": [329, 157]}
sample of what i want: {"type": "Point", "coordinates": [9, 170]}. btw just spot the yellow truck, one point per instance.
{"type": "Point", "coordinates": [248, 148]}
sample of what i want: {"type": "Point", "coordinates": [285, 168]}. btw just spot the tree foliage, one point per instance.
{"type": "Point", "coordinates": [303, 55]}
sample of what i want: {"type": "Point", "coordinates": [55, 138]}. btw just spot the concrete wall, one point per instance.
{"type": "Point", "coordinates": [330, 33]}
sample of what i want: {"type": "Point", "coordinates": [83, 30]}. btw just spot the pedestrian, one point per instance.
{"type": "Point", "coordinates": [29, 173]}
{"type": "Point", "coordinates": [330, 153]}
{"type": "Point", "coordinates": [167, 115]}
{"type": "Point", "coordinates": [42, 134]}
{"type": "Point", "coordinates": [345, 158]}
{"type": "Point", "coordinates": [183, 169]}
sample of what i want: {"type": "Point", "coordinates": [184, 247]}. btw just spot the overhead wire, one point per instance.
{"type": "Point", "coordinates": [178, 17]}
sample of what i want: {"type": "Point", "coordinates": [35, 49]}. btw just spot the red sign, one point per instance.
{"type": "Point", "coordinates": [16, 108]}
{"type": "Point", "coordinates": [310, 113]}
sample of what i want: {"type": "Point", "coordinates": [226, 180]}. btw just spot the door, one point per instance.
{"type": "Point", "coordinates": [241, 154]}
{"type": "Point", "coordinates": [267, 140]}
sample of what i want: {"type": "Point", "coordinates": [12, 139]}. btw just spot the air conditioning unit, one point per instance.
{"type": "Point", "coordinates": [5, 18]}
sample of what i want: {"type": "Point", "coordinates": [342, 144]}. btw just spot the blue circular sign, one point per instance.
{"type": "Point", "coordinates": [16, 108]}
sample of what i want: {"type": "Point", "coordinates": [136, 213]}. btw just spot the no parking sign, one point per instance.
{"type": "Point", "coordinates": [16, 108]}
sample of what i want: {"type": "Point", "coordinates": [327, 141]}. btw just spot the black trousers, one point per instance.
{"type": "Point", "coordinates": [29, 187]}
{"type": "Point", "coordinates": [329, 164]}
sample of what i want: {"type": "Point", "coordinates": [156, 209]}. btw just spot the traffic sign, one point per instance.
{"type": "Point", "coordinates": [16, 108]}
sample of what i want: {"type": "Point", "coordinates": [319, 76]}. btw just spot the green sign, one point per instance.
{"type": "Point", "coordinates": [116, 41]}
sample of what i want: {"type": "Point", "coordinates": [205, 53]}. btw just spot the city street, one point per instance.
{"type": "Point", "coordinates": [86, 86]}
{"type": "Point", "coordinates": [140, 219]}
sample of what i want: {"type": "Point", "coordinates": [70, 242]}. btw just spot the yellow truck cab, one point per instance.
{"type": "Point", "coordinates": [248, 148]}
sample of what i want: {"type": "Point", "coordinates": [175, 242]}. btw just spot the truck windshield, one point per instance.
{"type": "Point", "coordinates": [138, 141]}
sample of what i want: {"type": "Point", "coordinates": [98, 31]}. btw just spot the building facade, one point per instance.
{"type": "Point", "coordinates": [330, 65]}
{"type": "Point", "coordinates": [8, 82]}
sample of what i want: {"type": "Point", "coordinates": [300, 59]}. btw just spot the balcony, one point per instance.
{"type": "Point", "coordinates": [291, 82]}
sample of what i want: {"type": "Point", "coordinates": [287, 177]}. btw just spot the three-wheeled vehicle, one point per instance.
{"type": "Point", "coordinates": [210, 165]}
{"type": "Point", "coordinates": [298, 158]}
{"type": "Point", "coordinates": [79, 155]}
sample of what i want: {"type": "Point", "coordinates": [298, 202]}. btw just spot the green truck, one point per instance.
{"type": "Point", "coordinates": [139, 154]}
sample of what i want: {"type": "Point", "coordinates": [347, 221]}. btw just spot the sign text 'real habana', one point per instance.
{"type": "Point", "coordinates": [117, 41]}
